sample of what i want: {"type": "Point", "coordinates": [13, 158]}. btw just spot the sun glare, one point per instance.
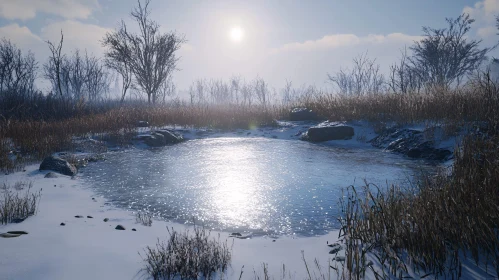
{"type": "Point", "coordinates": [236, 34]}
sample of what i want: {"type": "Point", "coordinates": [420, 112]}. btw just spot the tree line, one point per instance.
{"type": "Point", "coordinates": [145, 61]}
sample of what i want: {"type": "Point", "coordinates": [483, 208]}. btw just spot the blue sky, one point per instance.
{"type": "Point", "coordinates": [283, 40]}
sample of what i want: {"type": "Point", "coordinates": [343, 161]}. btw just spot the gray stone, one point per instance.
{"type": "Point", "coordinates": [63, 224]}
{"type": "Point", "coordinates": [51, 175]}
{"type": "Point", "coordinates": [411, 143]}
{"type": "Point", "coordinates": [58, 165]}
{"type": "Point", "coordinates": [79, 216]}
{"type": "Point", "coordinates": [119, 227]}
{"type": "Point", "coordinates": [155, 140]}
{"type": "Point", "coordinates": [327, 133]}
{"type": "Point", "coordinates": [106, 219]}
{"type": "Point", "coordinates": [162, 137]}
{"type": "Point", "coordinates": [170, 136]}
{"type": "Point", "coordinates": [302, 114]}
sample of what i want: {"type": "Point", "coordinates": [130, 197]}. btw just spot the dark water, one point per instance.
{"type": "Point", "coordinates": [265, 186]}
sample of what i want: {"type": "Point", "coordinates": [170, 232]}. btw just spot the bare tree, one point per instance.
{"type": "Point", "coordinates": [168, 89]}
{"type": "Point", "coordinates": [364, 78]}
{"type": "Point", "coordinates": [287, 93]}
{"type": "Point", "coordinates": [55, 61]}
{"type": "Point", "coordinates": [17, 71]}
{"type": "Point", "coordinates": [82, 78]}
{"type": "Point", "coordinates": [404, 78]}
{"type": "Point", "coordinates": [97, 79]}
{"type": "Point", "coordinates": [117, 57]}
{"type": "Point", "coordinates": [247, 94]}
{"type": "Point", "coordinates": [444, 56]}
{"type": "Point", "coordinates": [235, 85]}
{"type": "Point", "coordinates": [149, 54]}
{"type": "Point", "coordinates": [261, 90]}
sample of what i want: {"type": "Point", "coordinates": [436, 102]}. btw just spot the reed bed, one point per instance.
{"type": "Point", "coordinates": [430, 229]}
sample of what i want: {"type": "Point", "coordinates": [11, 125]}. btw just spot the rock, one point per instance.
{"type": "Point", "coordinates": [51, 175]}
{"type": "Point", "coordinates": [134, 229]}
{"type": "Point", "coordinates": [9, 235]}
{"type": "Point", "coordinates": [106, 219]}
{"type": "Point", "coordinates": [411, 143]}
{"type": "Point", "coordinates": [155, 140]}
{"type": "Point", "coordinates": [236, 234]}
{"type": "Point", "coordinates": [326, 133]}
{"type": "Point", "coordinates": [63, 224]}
{"type": "Point", "coordinates": [170, 136]}
{"type": "Point", "coordinates": [17, 221]}
{"type": "Point", "coordinates": [17, 232]}
{"type": "Point", "coordinates": [78, 216]}
{"type": "Point", "coordinates": [119, 227]}
{"type": "Point", "coordinates": [163, 137]}
{"type": "Point", "coordinates": [58, 165]}
{"type": "Point", "coordinates": [90, 217]}
{"type": "Point", "coordinates": [302, 114]}
{"type": "Point", "coordinates": [142, 124]}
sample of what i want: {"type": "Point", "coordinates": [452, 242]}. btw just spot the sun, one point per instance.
{"type": "Point", "coordinates": [236, 34]}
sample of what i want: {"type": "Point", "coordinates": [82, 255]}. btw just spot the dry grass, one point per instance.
{"type": "Point", "coordinates": [428, 229]}
{"type": "Point", "coordinates": [17, 202]}
{"type": "Point", "coordinates": [144, 218]}
{"type": "Point", "coordinates": [187, 256]}
{"type": "Point", "coordinates": [38, 139]}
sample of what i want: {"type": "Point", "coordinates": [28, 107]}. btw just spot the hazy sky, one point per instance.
{"type": "Point", "coordinates": [281, 40]}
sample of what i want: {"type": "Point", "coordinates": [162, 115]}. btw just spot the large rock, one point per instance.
{"type": "Point", "coordinates": [326, 133]}
{"type": "Point", "coordinates": [155, 140]}
{"type": "Point", "coordinates": [411, 143]}
{"type": "Point", "coordinates": [170, 136]}
{"type": "Point", "coordinates": [162, 137]}
{"type": "Point", "coordinates": [302, 114]}
{"type": "Point", "coordinates": [58, 165]}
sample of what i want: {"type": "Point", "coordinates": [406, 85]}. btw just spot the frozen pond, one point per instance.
{"type": "Point", "coordinates": [259, 185]}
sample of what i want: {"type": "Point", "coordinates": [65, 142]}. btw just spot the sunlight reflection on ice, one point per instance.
{"type": "Point", "coordinates": [265, 186]}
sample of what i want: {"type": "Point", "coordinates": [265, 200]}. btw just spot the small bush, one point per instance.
{"type": "Point", "coordinates": [14, 204]}
{"type": "Point", "coordinates": [187, 256]}
{"type": "Point", "coordinates": [144, 218]}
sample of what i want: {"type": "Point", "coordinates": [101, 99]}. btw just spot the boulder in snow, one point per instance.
{"type": "Point", "coordinates": [327, 133]}
{"type": "Point", "coordinates": [119, 227]}
{"type": "Point", "coordinates": [58, 165]}
{"type": "Point", "coordinates": [170, 136]}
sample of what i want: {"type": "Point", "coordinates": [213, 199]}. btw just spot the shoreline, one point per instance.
{"type": "Point", "coordinates": [89, 248]}
{"type": "Point", "coordinates": [51, 251]}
